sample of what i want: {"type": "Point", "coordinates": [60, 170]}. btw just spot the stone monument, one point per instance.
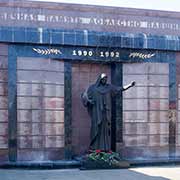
{"type": "Point", "coordinates": [97, 99]}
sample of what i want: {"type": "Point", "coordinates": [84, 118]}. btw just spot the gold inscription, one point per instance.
{"type": "Point", "coordinates": [18, 15]}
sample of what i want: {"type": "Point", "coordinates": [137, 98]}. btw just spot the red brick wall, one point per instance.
{"type": "Point", "coordinates": [40, 109]}
{"type": "Point", "coordinates": [178, 105]}
{"type": "Point", "coordinates": [3, 103]}
{"type": "Point", "coordinates": [145, 110]}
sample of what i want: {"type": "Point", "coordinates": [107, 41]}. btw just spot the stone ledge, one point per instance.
{"type": "Point", "coordinates": [62, 164]}
{"type": "Point", "coordinates": [154, 162]}
{"type": "Point", "coordinates": [93, 165]}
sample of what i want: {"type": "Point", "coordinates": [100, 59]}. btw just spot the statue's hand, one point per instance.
{"type": "Point", "coordinates": [133, 83]}
{"type": "Point", "coordinates": [91, 101]}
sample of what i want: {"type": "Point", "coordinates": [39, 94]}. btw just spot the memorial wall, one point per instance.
{"type": "Point", "coordinates": [52, 52]}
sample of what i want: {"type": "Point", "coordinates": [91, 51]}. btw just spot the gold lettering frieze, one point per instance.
{"type": "Point", "coordinates": [47, 51]}
{"type": "Point", "coordinates": [21, 15]}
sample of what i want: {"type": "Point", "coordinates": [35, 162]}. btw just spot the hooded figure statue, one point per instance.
{"type": "Point", "coordinates": [97, 99]}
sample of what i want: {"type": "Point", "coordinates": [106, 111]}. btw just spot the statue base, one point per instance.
{"type": "Point", "coordinates": [89, 164]}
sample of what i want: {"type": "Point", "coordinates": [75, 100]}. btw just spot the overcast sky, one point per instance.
{"type": "Point", "coordinates": [168, 5]}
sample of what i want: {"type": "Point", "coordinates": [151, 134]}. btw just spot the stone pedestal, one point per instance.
{"type": "Point", "coordinates": [99, 164]}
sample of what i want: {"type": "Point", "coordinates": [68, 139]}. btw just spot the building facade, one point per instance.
{"type": "Point", "coordinates": [50, 53]}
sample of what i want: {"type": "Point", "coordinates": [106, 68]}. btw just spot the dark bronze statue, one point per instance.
{"type": "Point", "coordinates": [97, 99]}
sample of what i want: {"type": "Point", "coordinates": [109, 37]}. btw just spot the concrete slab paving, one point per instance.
{"type": "Point", "coordinates": [143, 173]}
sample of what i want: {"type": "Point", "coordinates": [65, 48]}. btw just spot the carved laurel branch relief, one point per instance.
{"type": "Point", "coordinates": [47, 51]}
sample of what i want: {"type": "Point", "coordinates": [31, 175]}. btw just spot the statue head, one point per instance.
{"type": "Point", "coordinates": [103, 79]}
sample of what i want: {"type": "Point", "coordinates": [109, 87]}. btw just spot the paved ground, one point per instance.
{"type": "Point", "coordinates": [147, 173]}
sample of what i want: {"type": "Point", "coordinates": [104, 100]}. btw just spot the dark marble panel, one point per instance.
{"type": "Point", "coordinates": [68, 109]}
{"type": "Point", "coordinates": [90, 38]}
{"type": "Point", "coordinates": [32, 36]}
{"type": "Point", "coordinates": [12, 103]}
{"type": "Point", "coordinates": [6, 34]}
{"type": "Point", "coordinates": [19, 34]}
{"type": "Point", "coordinates": [117, 119]}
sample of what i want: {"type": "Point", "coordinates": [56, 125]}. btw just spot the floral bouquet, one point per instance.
{"type": "Point", "coordinates": [109, 157]}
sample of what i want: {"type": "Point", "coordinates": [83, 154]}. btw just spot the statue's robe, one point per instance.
{"type": "Point", "coordinates": [98, 98]}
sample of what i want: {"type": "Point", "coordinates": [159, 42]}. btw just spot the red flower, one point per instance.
{"type": "Point", "coordinates": [98, 151]}
{"type": "Point", "coordinates": [110, 152]}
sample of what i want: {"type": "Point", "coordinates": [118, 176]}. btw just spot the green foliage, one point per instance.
{"type": "Point", "coordinates": [108, 157]}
